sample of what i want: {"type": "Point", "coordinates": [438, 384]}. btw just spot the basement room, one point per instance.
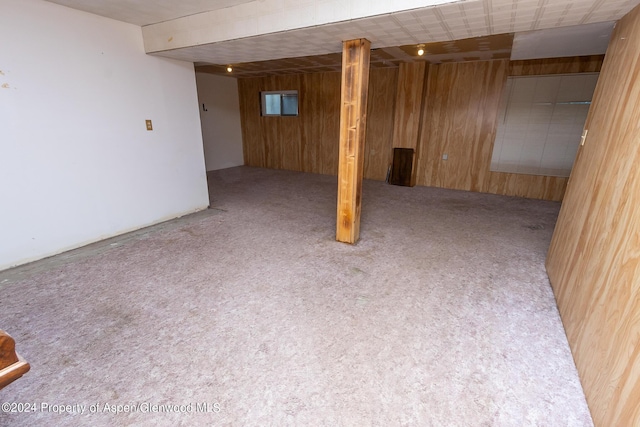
{"type": "Point", "coordinates": [320, 213]}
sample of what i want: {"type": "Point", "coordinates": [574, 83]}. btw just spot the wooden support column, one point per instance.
{"type": "Point", "coordinates": [353, 123]}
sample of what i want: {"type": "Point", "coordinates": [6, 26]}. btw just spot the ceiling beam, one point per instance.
{"type": "Point", "coordinates": [265, 17]}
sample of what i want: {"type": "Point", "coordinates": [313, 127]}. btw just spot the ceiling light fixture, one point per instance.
{"type": "Point", "coordinates": [229, 68]}
{"type": "Point", "coordinates": [420, 49]}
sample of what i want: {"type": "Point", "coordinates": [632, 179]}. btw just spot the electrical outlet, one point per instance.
{"type": "Point", "coordinates": [445, 157]}
{"type": "Point", "coordinates": [149, 125]}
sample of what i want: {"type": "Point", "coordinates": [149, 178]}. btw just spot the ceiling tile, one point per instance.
{"type": "Point", "coordinates": [145, 12]}
{"type": "Point", "coordinates": [469, 18]}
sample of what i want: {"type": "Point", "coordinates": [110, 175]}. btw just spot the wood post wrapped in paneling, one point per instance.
{"type": "Point", "coordinates": [353, 124]}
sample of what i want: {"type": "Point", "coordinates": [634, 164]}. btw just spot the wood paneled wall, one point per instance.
{"type": "Point", "coordinates": [534, 186]}
{"type": "Point", "coordinates": [529, 186]}
{"type": "Point", "coordinates": [536, 67]}
{"type": "Point", "coordinates": [380, 113]}
{"type": "Point", "coordinates": [409, 97]}
{"type": "Point", "coordinates": [458, 118]}
{"type": "Point", "coordinates": [594, 258]}
{"type": "Point", "coordinates": [309, 142]}
{"type": "Point", "coordinates": [408, 113]}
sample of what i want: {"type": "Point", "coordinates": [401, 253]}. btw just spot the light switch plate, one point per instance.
{"type": "Point", "coordinates": [149, 125]}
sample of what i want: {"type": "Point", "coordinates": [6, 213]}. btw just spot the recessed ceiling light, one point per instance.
{"type": "Point", "coordinates": [420, 49]}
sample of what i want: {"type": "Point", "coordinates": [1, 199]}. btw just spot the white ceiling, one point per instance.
{"type": "Point", "coordinates": [589, 39]}
{"type": "Point", "coordinates": [569, 27]}
{"type": "Point", "coordinates": [145, 12]}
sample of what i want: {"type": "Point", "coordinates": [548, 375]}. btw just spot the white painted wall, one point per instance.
{"type": "Point", "coordinates": [221, 129]}
{"type": "Point", "coordinates": [76, 161]}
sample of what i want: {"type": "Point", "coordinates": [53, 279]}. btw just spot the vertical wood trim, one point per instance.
{"type": "Point", "coordinates": [353, 124]}
{"type": "Point", "coordinates": [594, 258]}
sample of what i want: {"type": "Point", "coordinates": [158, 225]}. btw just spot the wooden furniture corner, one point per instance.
{"type": "Point", "coordinates": [12, 366]}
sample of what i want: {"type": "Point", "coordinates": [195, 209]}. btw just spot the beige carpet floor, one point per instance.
{"type": "Point", "coordinates": [250, 314]}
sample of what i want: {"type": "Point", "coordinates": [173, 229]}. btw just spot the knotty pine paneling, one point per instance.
{"type": "Point", "coordinates": [594, 259]}
{"type": "Point", "coordinates": [309, 142]}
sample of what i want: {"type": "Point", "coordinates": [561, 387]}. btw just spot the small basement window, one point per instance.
{"type": "Point", "coordinates": [279, 103]}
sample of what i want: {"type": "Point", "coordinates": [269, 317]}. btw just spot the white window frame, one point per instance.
{"type": "Point", "coordinates": [282, 93]}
